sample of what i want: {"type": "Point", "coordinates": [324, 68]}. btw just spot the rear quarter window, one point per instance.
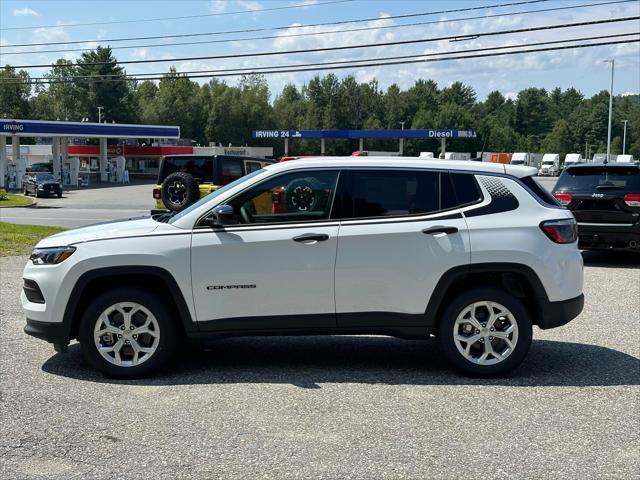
{"type": "Point", "coordinates": [201, 168]}
{"type": "Point", "coordinates": [539, 192]}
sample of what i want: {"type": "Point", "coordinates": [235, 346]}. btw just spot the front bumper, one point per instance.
{"type": "Point", "coordinates": [56, 333]}
{"type": "Point", "coordinates": [593, 236]}
{"type": "Point", "coordinates": [556, 314]}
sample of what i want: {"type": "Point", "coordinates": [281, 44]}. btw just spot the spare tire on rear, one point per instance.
{"type": "Point", "coordinates": [179, 190]}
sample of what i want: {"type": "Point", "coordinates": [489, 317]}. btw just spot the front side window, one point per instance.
{"type": "Point", "coordinates": [292, 197]}
{"type": "Point", "coordinates": [384, 193]}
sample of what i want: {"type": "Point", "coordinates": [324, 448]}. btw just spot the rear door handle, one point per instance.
{"type": "Point", "coordinates": [440, 229]}
{"type": "Point", "coordinates": [311, 238]}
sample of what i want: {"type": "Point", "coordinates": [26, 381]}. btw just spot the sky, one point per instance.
{"type": "Point", "coordinates": [46, 21]}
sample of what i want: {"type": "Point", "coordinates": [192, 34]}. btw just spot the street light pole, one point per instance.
{"type": "Point", "coordinates": [624, 136]}
{"type": "Point", "coordinates": [612, 61]}
{"type": "Point", "coordinates": [401, 149]}
{"type": "Point", "coordinates": [100, 114]}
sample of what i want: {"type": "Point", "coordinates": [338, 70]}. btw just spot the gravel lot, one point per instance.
{"type": "Point", "coordinates": [334, 407]}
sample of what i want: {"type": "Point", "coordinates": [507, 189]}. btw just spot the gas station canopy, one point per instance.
{"type": "Point", "coordinates": [61, 132]}
{"type": "Point", "coordinates": [38, 128]}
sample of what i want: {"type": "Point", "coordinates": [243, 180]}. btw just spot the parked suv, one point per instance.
{"type": "Point", "coordinates": [605, 200]}
{"type": "Point", "coordinates": [474, 254]}
{"type": "Point", "coordinates": [41, 184]}
{"type": "Point", "coordinates": [183, 179]}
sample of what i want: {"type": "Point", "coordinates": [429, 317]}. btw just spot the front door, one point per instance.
{"type": "Point", "coordinates": [273, 267]}
{"type": "Point", "coordinates": [400, 232]}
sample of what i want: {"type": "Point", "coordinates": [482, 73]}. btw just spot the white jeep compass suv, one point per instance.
{"type": "Point", "coordinates": [472, 253]}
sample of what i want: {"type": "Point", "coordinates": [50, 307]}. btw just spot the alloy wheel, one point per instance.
{"type": "Point", "coordinates": [126, 334]}
{"type": "Point", "coordinates": [485, 333]}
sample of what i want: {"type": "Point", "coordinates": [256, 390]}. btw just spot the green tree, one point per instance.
{"type": "Point", "coordinates": [107, 87]}
{"type": "Point", "coordinates": [532, 112]}
{"type": "Point", "coordinates": [15, 89]}
{"type": "Point", "coordinates": [559, 139]}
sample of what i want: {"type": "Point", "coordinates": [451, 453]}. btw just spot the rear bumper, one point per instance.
{"type": "Point", "coordinates": [556, 314]}
{"type": "Point", "coordinates": [609, 236]}
{"type": "Point", "coordinates": [56, 333]}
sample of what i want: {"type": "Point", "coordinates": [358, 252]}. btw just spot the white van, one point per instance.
{"type": "Point", "coordinates": [550, 165]}
{"type": "Point", "coordinates": [520, 158]}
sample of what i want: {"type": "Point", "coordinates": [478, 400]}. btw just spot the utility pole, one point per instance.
{"type": "Point", "coordinates": [100, 114]}
{"type": "Point", "coordinates": [612, 61]}
{"type": "Point", "coordinates": [624, 136]}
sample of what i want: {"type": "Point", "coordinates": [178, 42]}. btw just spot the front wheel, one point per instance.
{"type": "Point", "coordinates": [485, 332]}
{"type": "Point", "coordinates": [128, 333]}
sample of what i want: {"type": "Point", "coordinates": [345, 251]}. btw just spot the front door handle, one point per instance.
{"type": "Point", "coordinates": [440, 229]}
{"type": "Point", "coordinates": [311, 238]}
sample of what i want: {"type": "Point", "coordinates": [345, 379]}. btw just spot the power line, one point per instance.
{"type": "Point", "coordinates": [371, 64]}
{"type": "Point", "coordinates": [184, 17]}
{"type": "Point", "coordinates": [351, 47]}
{"type": "Point", "coordinates": [139, 76]}
{"type": "Point", "coordinates": [287, 27]}
{"type": "Point", "coordinates": [173, 44]}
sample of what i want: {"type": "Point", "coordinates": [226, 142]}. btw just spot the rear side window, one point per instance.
{"type": "Point", "coordinates": [539, 192]}
{"type": "Point", "coordinates": [386, 193]}
{"type": "Point", "coordinates": [201, 168]}
{"type": "Point", "coordinates": [230, 170]}
{"type": "Point", "coordinates": [600, 178]}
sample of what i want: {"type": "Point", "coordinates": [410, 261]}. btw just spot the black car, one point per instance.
{"type": "Point", "coordinates": [605, 199]}
{"type": "Point", "coordinates": [41, 184]}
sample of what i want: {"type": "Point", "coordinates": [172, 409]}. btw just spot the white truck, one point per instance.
{"type": "Point", "coordinates": [526, 159]}
{"type": "Point", "coordinates": [625, 158]}
{"type": "Point", "coordinates": [572, 159]}
{"type": "Point", "coordinates": [550, 165]}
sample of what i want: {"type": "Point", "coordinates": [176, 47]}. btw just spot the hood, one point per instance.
{"type": "Point", "coordinates": [116, 229]}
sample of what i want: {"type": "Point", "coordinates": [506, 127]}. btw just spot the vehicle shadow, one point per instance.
{"type": "Point", "coordinates": [612, 259]}
{"type": "Point", "coordinates": [308, 362]}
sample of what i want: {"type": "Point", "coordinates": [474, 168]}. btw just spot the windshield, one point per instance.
{"type": "Point", "coordinates": [213, 195]}
{"type": "Point", "coordinates": [591, 179]}
{"type": "Point", "coordinates": [517, 162]}
{"type": "Point", "coordinates": [547, 162]}
{"type": "Point", "coordinates": [44, 178]}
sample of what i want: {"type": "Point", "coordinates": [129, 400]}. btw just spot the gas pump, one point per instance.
{"type": "Point", "coordinates": [15, 171]}
{"type": "Point", "coordinates": [117, 169]}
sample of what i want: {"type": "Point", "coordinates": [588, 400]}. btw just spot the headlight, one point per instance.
{"type": "Point", "coordinates": [51, 256]}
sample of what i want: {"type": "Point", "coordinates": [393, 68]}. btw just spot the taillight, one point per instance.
{"type": "Point", "coordinates": [157, 194]}
{"type": "Point", "coordinates": [632, 199]}
{"type": "Point", "coordinates": [561, 231]}
{"type": "Point", "coordinates": [563, 198]}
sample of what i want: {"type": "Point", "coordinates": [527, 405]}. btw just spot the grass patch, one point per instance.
{"type": "Point", "coordinates": [13, 200]}
{"type": "Point", "coordinates": [20, 239]}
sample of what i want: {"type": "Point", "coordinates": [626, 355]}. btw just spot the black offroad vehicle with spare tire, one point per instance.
{"type": "Point", "coordinates": [184, 179]}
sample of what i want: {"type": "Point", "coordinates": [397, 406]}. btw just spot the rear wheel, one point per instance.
{"type": "Point", "coordinates": [485, 332]}
{"type": "Point", "coordinates": [128, 333]}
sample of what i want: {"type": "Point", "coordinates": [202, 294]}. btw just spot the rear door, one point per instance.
{"type": "Point", "coordinates": [399, 233]}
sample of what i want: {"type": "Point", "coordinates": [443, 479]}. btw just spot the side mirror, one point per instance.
{"type": "Point", "coordinates": [221, 215]}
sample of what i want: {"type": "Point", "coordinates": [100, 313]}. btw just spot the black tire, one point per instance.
{"type": "Point", "coordinates": [303, 195]}
{"type": "Point", "coordinates": [179, 190]}
{"type": "Point", "coordinates": [163, 313]}
{"type": "Point", "coordinates": [447, 344]}
{"type": "Point", "coordinates": [25, 192]}
{"type": "Point", "coordinates": [60, 195]}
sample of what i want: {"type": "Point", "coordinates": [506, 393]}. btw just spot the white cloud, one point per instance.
{"type": "Point", "coordinates": [250, 5]}
{"type": "Point", "coordinates": [25, 12]}
{"type": "Point", "coordinates": [217, 6]}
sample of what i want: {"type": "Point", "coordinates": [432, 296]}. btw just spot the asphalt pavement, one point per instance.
{"type": "Point", "coordinates": [333, 407]}
{"type": "Point", "coordinates": [85, 206]}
